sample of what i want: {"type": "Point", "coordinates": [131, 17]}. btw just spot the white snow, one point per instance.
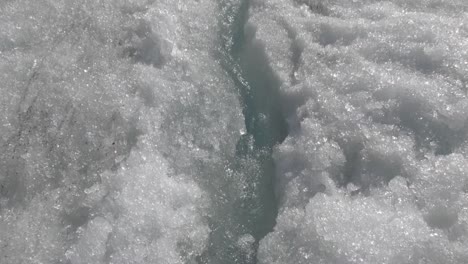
{"type": "Point", "coordinates": [374, 169]}
{"type": "Point", "coordinates": [119, 129]}
{"type": "Point", "coordinates": [115, 119]}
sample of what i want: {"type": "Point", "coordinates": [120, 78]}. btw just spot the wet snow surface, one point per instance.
{"type": "Point", "coordinates": [233, 131]}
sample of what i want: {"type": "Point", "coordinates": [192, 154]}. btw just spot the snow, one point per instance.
{"type": "Point", "coordinates": [374, 167]}
{"type": "Point", "coordinates": [108, 136]}
{"type": "Point", "coordinates": [143, 131]}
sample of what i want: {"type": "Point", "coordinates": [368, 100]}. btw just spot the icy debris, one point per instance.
{"type": "Point", "coordinates": [91, 246]}
{"type": "Point", "coordinates": [246, 244]}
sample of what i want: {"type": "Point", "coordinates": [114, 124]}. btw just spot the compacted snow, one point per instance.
{"type": "Point", "coordinates": [233, 131]}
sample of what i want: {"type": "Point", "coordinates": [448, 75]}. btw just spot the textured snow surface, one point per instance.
{"type": "Point", "coordinates": [375, 167]}
{"type": "Point", "coordinates": [116, 124]}
{"type": "Point", "coordinates": [144, 131]}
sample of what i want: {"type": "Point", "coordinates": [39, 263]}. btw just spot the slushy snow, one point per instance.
{"type": "Point", "coordinates": [129, 131]}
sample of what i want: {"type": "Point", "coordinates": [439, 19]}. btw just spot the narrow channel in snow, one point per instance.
{"type": "Point", "coordinates": [233, 131]}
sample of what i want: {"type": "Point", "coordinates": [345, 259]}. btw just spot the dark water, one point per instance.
{"type": "Point", "coordinates": [254, 211]}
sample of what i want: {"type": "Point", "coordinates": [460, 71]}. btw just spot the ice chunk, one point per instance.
{"type": "Point", "coordinates": [91, 246]}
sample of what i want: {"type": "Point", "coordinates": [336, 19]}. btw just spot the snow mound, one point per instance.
{"type": "Point", "coordinates": [374, 169]}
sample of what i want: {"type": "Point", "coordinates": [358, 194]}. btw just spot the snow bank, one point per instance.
{"type": "Point", "coordinates": [116, 119]}
{"type": "Point", "coordinates": [374, 169]}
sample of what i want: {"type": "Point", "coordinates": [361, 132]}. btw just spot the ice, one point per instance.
{"type": "Point", "coordinates": [233, 131]}
{"type": "Point", "coordinates": [117, 123]}
{"type": "Point", "coordinates": [374, 167]}
{"type": "Point", "coordinates": [91, 246]}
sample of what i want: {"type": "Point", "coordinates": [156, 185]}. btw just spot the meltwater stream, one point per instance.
{"type": "Point", "coordinates": [236, 234]}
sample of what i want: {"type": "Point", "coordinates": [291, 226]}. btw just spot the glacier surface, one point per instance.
{"type": "Point", "coordinates": [233, 131]}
